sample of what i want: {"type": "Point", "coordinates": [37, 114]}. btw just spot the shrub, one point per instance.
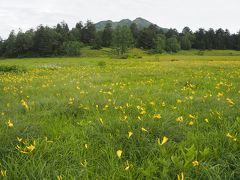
{"type": "Point", "coordinates": [11, 69]}
{"type": "Point", "coordinates": [72, 48]}
{"type": "Point", "coordinates": [102, 63]}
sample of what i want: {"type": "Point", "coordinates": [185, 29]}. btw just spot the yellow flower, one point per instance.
{"type": "Point", "coordinates": [119, 153]}
{"type": "Point", "coordinates": [127, 167]}
{"type": "Point", "coordinates": [164, 140]}
{"type": "Point", "coordinates": [179, 101]}
{"type": "Point", "coordinates": [195, 163]}
{"type": "Point", "coordinates": [59, 177]}
{"type": "Point", "coordinates": [191, 116]}
{"type": "Point", "coordinates": [231, 137]}
{"type": "Point", "coordinates": [220, 94]}
{"type": "Point", "coordinates": [28, 149]}
{"type": "Point", "coordinates": [31, 147]}
{"type": "Point", "coordinates": [230, 102]}
{"type": "Point", "coordinates": [179, 119]}
{"type": "Point", "coordinates": [130, 134]}
{"type": "Point", "coordinates": [152, 103]}
{"type": "Point", "coordinates": [206, 120]}
{"type": "Point", "coordinates": [143, 112]}
{"type": "Point", "coordinates": [181, 176]}
{"type": "Point", "coordinates": [3, 173]}
{"type": "Point", "coordinates": [190, 123]}
{"type": "Point", "coordinates": [157, 116]}
{"type": "Point", "coordinates": [10, 124]}
{"type": "Point", "coordinates": [25, 105]}
{"type": "Point", "coordinates": [101, 120]}
{"type": "Point", "coordinates": [143, 130]}
{"type": "Point", "coordinates": [84, 163]}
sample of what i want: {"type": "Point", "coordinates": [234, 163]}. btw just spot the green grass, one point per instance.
{"type": "Point", "coordinates": [81, 111]}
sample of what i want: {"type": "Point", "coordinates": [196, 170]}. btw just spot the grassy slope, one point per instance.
{"type": "Point", "coordinates": [68, 96]}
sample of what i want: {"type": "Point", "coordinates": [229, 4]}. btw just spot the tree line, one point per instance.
{"type": "Point", "coordinates": [60, 40]}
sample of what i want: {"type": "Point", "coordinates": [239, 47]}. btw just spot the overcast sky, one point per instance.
{"type": "Point", "coordinates": [26, 14]}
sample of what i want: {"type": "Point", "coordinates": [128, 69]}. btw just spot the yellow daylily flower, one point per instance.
{"type": "Point", "coordinates": [191, 116]}
{"type": "Point", "coordinates": [59, 177]}
{"type": "Point", "coordinates": [25, 105]}
{"type": "Point", "coordinates": [231, 136]}
{"type": "Point", "coordinates": [230, 102]}
{"type": "Point", "coordinates": [164, 140]}
{"type": "Point", "coordinates": [195, 163]}
{"type": "Point", "coordinates": [157, 116]}
{"type": "Point", "coordinates": [10, 124]}
{"type": "Point", "coordinates": [179, 119]}
{"type": "Point", "coordinates": [190, 123]}
{"type": "Point", "coordinates": [3, 173]}
{"type": "Point", "coordinates": [143, 130]}
{"type": "Point", "coordinates": [127, 167]}
{"type": "Point", "coordinates": [130, 134]}
{"type": "Point", "coordinates": [119, 153]}
{"type": "Point", "coordinates": [181, 176]}
{"type": "Point", "coordinates": [179, 101]}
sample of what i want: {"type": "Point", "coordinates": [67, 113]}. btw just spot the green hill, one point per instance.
{"type": "Point", "coordinates": [140, 22]}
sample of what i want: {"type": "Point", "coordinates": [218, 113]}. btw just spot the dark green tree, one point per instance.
{"type": "Point", "coordinates": [147, 36]}
{"type": "Point", "coordinates": [238, 41]}
{"type": "Point", "coordinates": [98, 41]}
{"type": "Point", "coordinates": [122, 40]}
{"type": "Point", "coordinates": [220, 39]}
{"type": "Point", "coordinates": [47, 42]}
{"type": "Point", "coordinates": [199, 42]}
{"type": "Point", "coordinates": [24, 43]}
{"type": "Point", "coordinates": [88, 33]}
{"type": "Point", "coordinates": [107, 35]}
{"type": "Point", "coordinates": [63, 29]}
{"type": "Point", "coordinates": [135, 33]}
{"type": "Point", "coordinates": [9, 46]}
{"type": "Point", "coordinates": [72, 48]}
{"type": "Point", "coordinates": [159, 43]}
{"type": "Point", "coordinates": [209, 39]}
{"type": "Point", "coordinates": [172, 44]}
{"type": "Point", "coordinates": [76, 33]}
{"type": "Point", "coordinates": [1, 47]}
{"type": "Point", "coordinates": [172, 32]}
{"type": "Point", "coordinates": [185, 42]}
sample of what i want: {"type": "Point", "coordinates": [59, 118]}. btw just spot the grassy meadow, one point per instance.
{"type": "Point", "coordinates": [147, 117]}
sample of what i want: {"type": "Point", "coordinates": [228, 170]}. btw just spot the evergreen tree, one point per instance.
{"type": "Point", "coordinates": [220, 39]}
{"type": "Point", "coordinates": [63, 29]}
{"type": "Point", "coordinates": [185, 42]}
{"type": "Point", "coordinates": [76, 33]}
{"type": "Point", "coordinates": [238, 41]}
{"type": "Point", "coordinates": [135, 33]}
{"type": "Point", "coordinates": [1, 47]}
{"type": "Point", "coordinates": [199, 42]}
{"type": "Point", "coordinates": [88, 32]}
{"type": "Point", "coordinates": [24, 43]}
{"type": "Point", "coordinates": [107, 35]}
{"type": "Point", "coordinates": [97, 42]}
{"type": "Point", "coordinates": [159, 43]}
{"type": "Point", "coordinates": [72, 48]}
{"type": "Point", "coordinates": [147, 36]}
{"type": "Point", "coordinates": [122, 39]}
{"type": "Point", "coordinates": [209, 38]}
{"type": "Point", "coordinates": [172, 44]}
{"type": "Point", "coordinates": [47, 42]}
{"type": "Point", "coordinates": [10, 46]}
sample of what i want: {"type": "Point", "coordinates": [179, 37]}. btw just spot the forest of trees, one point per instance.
{"type": "Point", "coordinates": [62, 41]}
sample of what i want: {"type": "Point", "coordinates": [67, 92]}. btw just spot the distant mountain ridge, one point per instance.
{"type": "Point", "coordinates": [140, 22]}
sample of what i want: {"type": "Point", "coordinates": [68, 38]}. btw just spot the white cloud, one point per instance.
{"type": "Point", "coordinates": [25, 14]}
